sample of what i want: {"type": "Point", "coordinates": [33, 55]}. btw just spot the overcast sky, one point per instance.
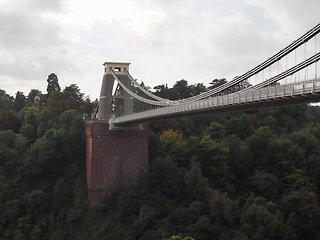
{"type": "Point", "coordinates": [165, 40]}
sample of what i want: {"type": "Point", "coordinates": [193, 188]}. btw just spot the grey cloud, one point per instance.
{"type": "Point", "coordinates": [48, 6]}
{"type": "Point", "coordinates": [294, 17]}
{"type": "Point", "coordinates": [35, 6]}
{"type": "Point", "coordinates": [163, 4]}
{"type": "Point", "coordinates": [33, 44]}
{"type": "Point", "coordinates": [28, 31]}
{"type": "Point", "coordinates": [165, 40]}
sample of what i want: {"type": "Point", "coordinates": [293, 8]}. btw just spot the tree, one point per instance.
{"type": "Point", "coordinates": [146, 218]}
{"type": "Point", "coordinates": [216, 131]}
{"type": "Point", "coordinates": [29, 125]}
{"type": "Point", "coordinates": [197, 88]}
{"type": "Point", "coordinates": [214, 158]}
{"type": "Point", "coordinates": [259, 223]}
{"type": "Point", "coordinates": [53, 83]}
{"type": "Point", "coordinates": [73, 96]}
{"type": "Point", "coordinates": [58, 102]}
{"type": "Point", "coordinates": [266, 185]}
{"type": "Point", "coordinates": [9, 120]}
{"type": "Point", "coordinates": [287, 119]}
{"type": "Point", "coordinates": [88, 107]}
{"type": "Point", "coordinates": [169, 140]}
{"type": "Point", "coordinates": [240, 126]}
{"type": "Point", "coordinates": [19, 102]}
{"type": "Point", "coordinates": [72, 123]}
{"type": "Point", "coordinates": [45, 120]}
{"type": "Point", "coordinates": [42, 161]}
{"type": "Point", "coordinates": [201, 229]}
{"type": "Point", "coordinates": [197, 185]}
{"type": "Point", "coordinates": [302, 213]}
{"type": "Point", "coordinates": [163, 91]}
{"type": "Point", "coordinates": [181, 89]}
{"type": "Point", "coordinates": [240, 161]}
{"type": "Point", "coordinates": [12, 151]}
{"type": "Point", "coordinates": [33, 94]}
{"type": "Point", "coordinates": [163, 175]}
{"type": "Point", "coordinates": [5, 100]}
{"type": "Point", "coordinates": [257, 144]}
{"type": "Point", "coordinates": [217, 82]}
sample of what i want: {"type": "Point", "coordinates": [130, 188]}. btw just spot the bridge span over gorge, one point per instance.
{"type": "Point", "coordinates": [117, 136]}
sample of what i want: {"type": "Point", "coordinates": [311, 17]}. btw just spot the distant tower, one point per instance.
{"type": "Point", "coordinates": [36, 101]}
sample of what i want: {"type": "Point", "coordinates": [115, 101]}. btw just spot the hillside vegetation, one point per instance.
{"type": "Point", "coordinates": [245, 175]}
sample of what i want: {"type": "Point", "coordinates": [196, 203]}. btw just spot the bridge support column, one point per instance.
{"type": "Point", "coordinates": [112, 157]}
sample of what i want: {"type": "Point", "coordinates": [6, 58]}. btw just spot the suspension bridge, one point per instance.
{"type": "Point", "coordinates": [117, 136]}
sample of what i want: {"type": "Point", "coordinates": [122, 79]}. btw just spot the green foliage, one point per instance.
{"type": "Point", "coordinates": [29, 125]}
{"type": "Point", "coordinates": [5, 100]}
{"type": "Point", "coordinates": [33, 93]}
{"type": "Point", "coordinates": [46, 120]}
{"type": "Point", "coordinates": [53, 83]}
{"type": "Point", "coordinates": [252, 175]}
{"type": "Point", "coordinates": [146, 218]}
{"type": "Point", "coordinates": [74, 96]}
{"type": "Point", "coordinates": [239, 126]}
{"type": "Point", "coordinates": [214, 159]}
{"type": "Point", "coordinates": [302, 213]}
{"type": "Point", "coordinates": [19, 102]}
{"type": "Point", "coordinates": [42, 161]}
{"type": "Point", "coordinates": [180, 90]}
{"type": "Point", "coordinates": [266, 185]}
{"type": "Point", "coordinates": [88, 107]}
{"type": "Point", "coordinates": [164, 174]}
{"type": "Point", "coordinates": [58, 102]}
{"type": "Point", "coordinates": [217, 82]}
{"type": "Point", "coordinates": [170, 140]}
{"type": "Point", "coordinates": [12, 152]}
{"type": "Point", "coordinates": [240, 161]}
{"type": "Point", "coordinates": [259, 223]}
{"type": "Point", "coordinates": [8, 119]}
{"type": "Point", "coordinates": [216, 131]}
{"type": "Point", "coordinates": [197, 184]}
{"type": "Point", "coordinates": [42, 177]}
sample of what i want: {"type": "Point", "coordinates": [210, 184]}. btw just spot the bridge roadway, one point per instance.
{"type": "Point", "coordinates": [294, 93]}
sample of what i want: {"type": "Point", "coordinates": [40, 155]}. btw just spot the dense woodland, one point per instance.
{"type": "Point", "coordinates": [243, 175]}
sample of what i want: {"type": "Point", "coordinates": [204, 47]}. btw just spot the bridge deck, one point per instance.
{"type": "Point", "coordinates": [307, 91]}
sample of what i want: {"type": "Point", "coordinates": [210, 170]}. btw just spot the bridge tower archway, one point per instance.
{"type": "Point", "coordinates": [107, 98]}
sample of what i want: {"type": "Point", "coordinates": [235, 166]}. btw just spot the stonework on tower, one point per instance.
{"type": "Point", "coordinates": [106, 95]}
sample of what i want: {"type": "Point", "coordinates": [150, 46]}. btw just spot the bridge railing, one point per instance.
{"type": "Point", "coordinates": [270, 95]}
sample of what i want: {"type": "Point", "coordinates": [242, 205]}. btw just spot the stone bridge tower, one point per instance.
{"type": "Point", "coordinates": [106, 97]}
{"type": "Point", "coordinates": [115, 155]}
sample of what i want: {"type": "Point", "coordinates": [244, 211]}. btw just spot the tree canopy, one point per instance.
{"type": "Point", "coordinates": [53, 83]}
{"type": "Point", "coordinates": [245, 175]}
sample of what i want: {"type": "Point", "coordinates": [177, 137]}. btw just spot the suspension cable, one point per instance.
{"type": "Point", "coordinates": [166, 102]}
{"type": "Point", "coordinates": [143, 89]}
{"type": "Point", "coordinates": [158, 103]}
{"type": "Point", "coordinates": [289, 72]}
{"type": "Point", "coordinates": [291, 47]}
